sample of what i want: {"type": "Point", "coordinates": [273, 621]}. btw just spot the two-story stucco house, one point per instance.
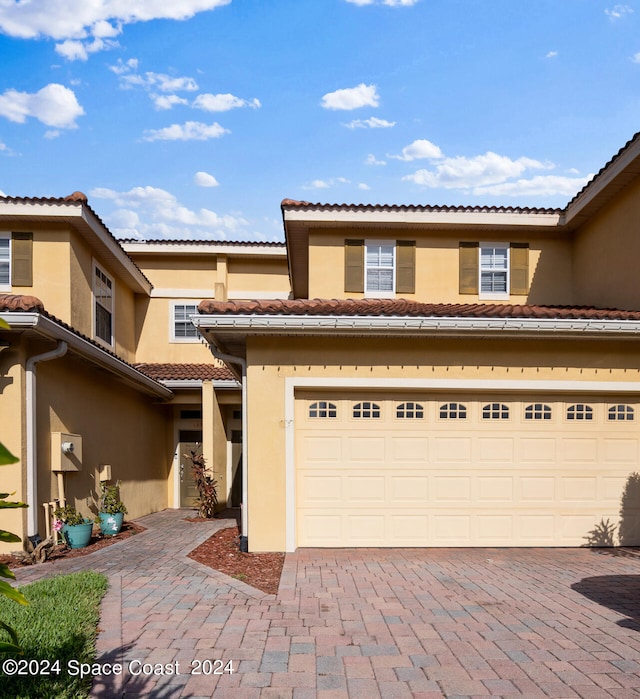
{"type": "Point", "coordinates": [446, 376]}
{"type": "Point", "coordinates": [101, 353]}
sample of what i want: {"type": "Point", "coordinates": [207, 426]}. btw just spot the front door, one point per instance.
{"type": "Point", "coordinates": [190, 440]}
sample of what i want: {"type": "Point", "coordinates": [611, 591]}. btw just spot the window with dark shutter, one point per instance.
{"type": "Point", "coordinates": [22, 259]}
{"type": "Point", "coordinates": [469, 268]}
{"type": "Point", "coordinates": [405, 267]}
{"type": "Point", "coordinates": [354, 265]}
{"type": "Point", "coordinates": [519, 271]}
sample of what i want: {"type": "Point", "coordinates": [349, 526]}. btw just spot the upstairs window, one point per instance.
{"type": "Point", "coordinates": [103, 311]}
{"type": "Point", "coordinates": [494, 270]}
{"type": "Point", "coordinates": [579, 411]}
{"type": "Point", "coordinates": [380, 270]}
{"type": "Point", "coordinates": [366, 410]}
{"type": "Point", "coordinates": [323, 409]}
{"type": "Point", "coordinates": [183, 328]}
{"type": "Point", "coordinates": [410, 411]}
{"type": "Point", "coordinates": [620, 412]}
{"type": "Point", "coordinates": [5, 262]}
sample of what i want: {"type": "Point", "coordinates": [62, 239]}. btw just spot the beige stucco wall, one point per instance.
{"type": "Point", "coordinates": [258, 275]}
{"type": "Point", "coordinates": [437, 265]}
{"type": "Point", "coordinates": [118, 425]}
{"type": "Point", "coordinates": [606, 253]}
{"type": "Point", "coordinates": [270, 362]}
{"type": "Point", "coordinates": [174, 271]}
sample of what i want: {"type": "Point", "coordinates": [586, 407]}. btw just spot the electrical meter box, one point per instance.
{"type": "Point", "coordinates": [66, 452]}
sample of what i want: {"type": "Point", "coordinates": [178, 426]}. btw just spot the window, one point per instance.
{"type": "Point", "coordinates": [103, 295]}
{"type": "Point", "coordinates": [366, 410]}
{"type": "Point", "coordinates": [494, 270]}
{"type": "Point", "coordinates": [183, 328]}
{"type": "Point", "coordinates": [620, 412]}
{"type": "Point", "coordinates": [453, 411]}
{"type": "Point", "coordinates": [495, 411]}
{"type": "Point", "coordinates": [579, 411]}
{"type": "Point", "coordinates": [537, 411]}
{"type": "Point", "coordinates": [410, 410]}
{"type": "Point", "coordinates": [323, 408]}
{"type": "Point", "coordinates": [380, 266]}
{"type": "Point", "coordinates": [5, 261]}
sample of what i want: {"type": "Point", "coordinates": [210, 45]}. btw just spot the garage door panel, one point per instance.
{"type": "Point", "coordinates": [462, 482]}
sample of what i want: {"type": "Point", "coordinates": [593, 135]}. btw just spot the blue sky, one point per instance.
{"type": "Point", "coordinates": [195, 118]}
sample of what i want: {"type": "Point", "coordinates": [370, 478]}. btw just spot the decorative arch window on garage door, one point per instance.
{"type": "Point", "coordinates": [495, 411]}
{"type": "Point", "coordinates": [323, 409]}
{"type": "Point", "coordinates": [537, 411]}
{"type": "Point", "coordinates": [580, 411]}
{"type": "Point", "coordinates": [410, 410]}
{"type": "Point", "coordinates": [366, 409]}
{"type": "Point", "coordinates": [453, 411]}
{"type": "Point", "coordinates": [621, 412]}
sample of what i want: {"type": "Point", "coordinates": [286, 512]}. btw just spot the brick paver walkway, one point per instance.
{"type": "Point", "coordinates": [424, 623]}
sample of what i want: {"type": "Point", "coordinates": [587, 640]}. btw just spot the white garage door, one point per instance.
{"type": "Point", "coordinates": [465, 470]}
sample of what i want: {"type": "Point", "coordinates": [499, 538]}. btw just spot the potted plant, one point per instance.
{"type": "Point", "coordinates": [111, 510]}
{"type": "Point", "coordinates": [76, 529]}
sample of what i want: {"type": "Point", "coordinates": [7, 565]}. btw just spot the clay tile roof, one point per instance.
{"type": "Point", "coordinates": [407, 308]}
{"type": "Point", "coordinates": [18, 302]}
{"type": "Point", "coordinates": [194, 372]}
{"type": "Point", "coordinates": [293, 204]}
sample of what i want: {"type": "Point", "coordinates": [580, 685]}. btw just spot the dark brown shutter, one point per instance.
{"type": "Point", "coordinates": [354, 265]}
{"type": "Point", "coordinates": [22, 259]}
{"type": "Point", "coordinates": [519, 268]}
{"type": "Point", "coordinates": [405, 266]}
{"type": "Point", "coordinates": [469, 268]}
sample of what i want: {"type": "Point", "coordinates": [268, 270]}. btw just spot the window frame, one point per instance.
{"type": "Point", "coordinates": [172, 323]}
{"type": "Point", "coordinates": [324, 409]}
{"type": "Point", "coordinates": [372, 408]}
{"type": "Point", "coordinates": [581, 412]}
{"type": "Point", "coordinates": [537, 412]}
{"type": "Point", "coordinates": [621, 412]}
{"type": "Point", "coordinates": [6, 235]}
{"type": "Point", "coordinates": [495, 410]}
{"type": "Point", "coordinates": [373, 293]}
{"type": "Point", "coordinates": [488, 295]}
{"type": "Point", "coordinates": [95, 303]}
{"type": "Point", "coordinates": [454, 411]}
{"type": "Point", "coordinates": [411, 410]}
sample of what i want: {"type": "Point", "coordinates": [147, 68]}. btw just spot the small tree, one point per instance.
{"type": "Point", "coordinates": [207, 493]}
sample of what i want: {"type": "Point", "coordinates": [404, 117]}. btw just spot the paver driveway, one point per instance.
{"type": "Point", "coordinates": [368, 622]}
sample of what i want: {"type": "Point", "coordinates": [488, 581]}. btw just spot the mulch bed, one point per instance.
{"type": "Point", "coordinates": [221, 552]}
{"type": "Point", "coordinates": [63, 551]}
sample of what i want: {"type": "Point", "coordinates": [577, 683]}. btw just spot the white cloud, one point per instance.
{"type": "Point", "coordinates": [151, 212]}
{"type": "Point", "coordinates": [352, 97]}
{"type": "Point", "coordinates": [469, 173]}
{"type": "Point", "coordinates": [540, 185]}
{"type": "Point", "coordinates": [74, 50]}
{"type": "Point", "coordinates": [326, 184]}
{"type": "Point", "coordinates": [54, 105]}
{"type": "Point", "coordinates": [371, 123]}
{"type": "Point", "coordinates": [636, 57]}
{"type": "Point", "coordinates": [223, 103]}
{"type": "Point", "coordinates": [88, 20]}
{"type": "Point", "coordinates": [189, 131]}
{"type": "Point", "coordinates": [363, 186]}
{"type": "Point", "coordinates": [167, 101]}
{"type": "Point", "coordinates": [372, 160]}
{"type": "Point", "coordinates": [552, 54]}
{"type": "Point", "coordinates": [418, 150]}
{"type": "Point", "coordinates": [152, 81]}
{"type": "Point", "coordinates": [204, 179]}
{"type": "Point", "coordinates": [618, 12]}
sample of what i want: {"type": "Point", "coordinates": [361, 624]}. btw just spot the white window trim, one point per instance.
{"type": "Point", "coordinates": [488, 295]}
{"type": "Point", "coordinates": [94, 303]}
{"type": "Point", "coordinates": [172, 323]}
{"type": "Point", "coordinates": [380, 294]}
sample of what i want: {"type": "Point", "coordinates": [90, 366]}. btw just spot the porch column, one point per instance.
{"type": "Point", "coordinates": [214, 440]}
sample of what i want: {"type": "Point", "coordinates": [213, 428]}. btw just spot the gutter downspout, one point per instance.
{"type": "Point", "coordinates": [244, 539]}
{"type": "Point", "coordinates": [32, 457]}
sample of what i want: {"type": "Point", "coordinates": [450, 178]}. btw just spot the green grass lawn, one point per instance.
{"type": "Point", "coordinates": [59, 624]}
